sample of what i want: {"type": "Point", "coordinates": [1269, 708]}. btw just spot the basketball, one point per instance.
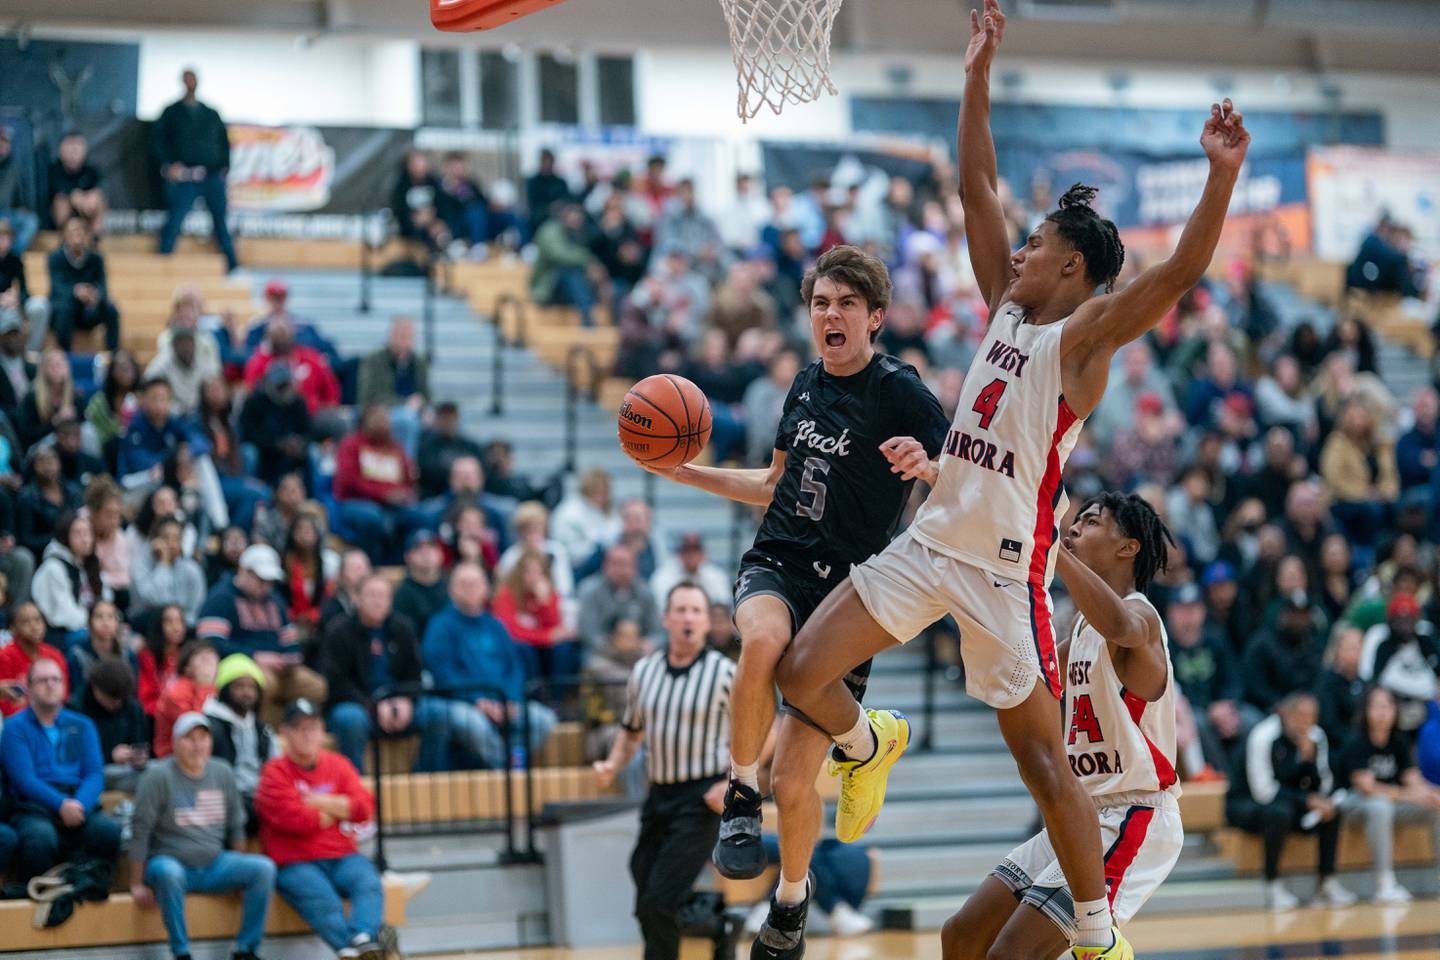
{"type": "Point", "coordinates": [664, 421]}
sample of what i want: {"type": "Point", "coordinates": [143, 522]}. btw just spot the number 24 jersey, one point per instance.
{"type": "Point", "coordinates": [837, 502]}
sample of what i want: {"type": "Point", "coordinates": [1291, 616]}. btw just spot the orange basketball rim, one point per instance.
{"type": "Point", "coordinates": [460, 16]}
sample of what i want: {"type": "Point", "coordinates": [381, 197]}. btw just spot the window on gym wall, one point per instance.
{"type": "Point", "coordinates": [440, 88]}
{"type": "Point", "coordinates": [615, 82]}
{"type": "Point", "coordinates": [559, 89]}
{"type": "Point", "coordinates": [499, 91]}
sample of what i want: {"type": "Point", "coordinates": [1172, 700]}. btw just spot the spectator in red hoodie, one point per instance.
{"type": "Point", "coordinates": [314, 380]}
{"type": "Point", "coordinates": [375, 486]}
{"type": "Point", "coordinates": [194, 683]}
{"type": "Point", "coordinates": [27, 630]}
{"type": "Point", "coordinates": [312, 805]}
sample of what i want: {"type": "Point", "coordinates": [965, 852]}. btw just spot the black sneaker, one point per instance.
{"type": "Point", "coordinates": [782, 936]}
{"type": "Point", "coordinates": [739, 854]}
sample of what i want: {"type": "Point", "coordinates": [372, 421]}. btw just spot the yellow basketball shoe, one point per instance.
{"type": "Point", "coordinates": [1119, 950]}
{"type": "Point", "coordinates": [862, 784]}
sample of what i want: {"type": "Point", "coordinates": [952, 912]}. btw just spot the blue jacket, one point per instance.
{"type": "Point", "coordinates": [47, 776]}
{"type": "Point", "coordinates": [465, 654]}
{"type": "Point", "coordinates": [1408, 453]}
{"type": "Point", "coordinates": [144, 446]}
{"type": "Point", "coordinates": [1428, 749]}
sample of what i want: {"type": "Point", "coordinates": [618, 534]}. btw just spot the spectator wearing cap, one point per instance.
{"type": "Point", "coordinates": [689, 564]}
{"type": "Point", "coordinates": [16, 372]}
{"type": "Point", "coordinates": [1417, 453]}
{"type": "Point", "coordinates": [1359, 471]}
{"type": "Point", "coordinates": [312, 805]}
{"type": "Point", "coordinates": [1209, 677]}
{"type": "Point", "coordinates": [440, 446]}
{"type": "Point", "coordinates": [194, 684]}
{"type": "Point", "coordinates": [484, 681]}
{"type": "Point", "coordinates": [79, 295]}
{"type": "Point", "coordinates": [188, 836]}
{"type": "Point", "coordinates": [240, 738]}
{"type": "Point", "coordinates": [397, 378]}
{"type": "Point", "coordinates": [277, 300]}
{"type": "Point", "coordinates": [375, 487]}
{"type": "Point", "coordinates": [371, 662]}
{"type": "Point", "coordinates": [314, 378]}
{"type": "Point", "coordinates": [27, 645]}
{"type": "Point", "coordinates": [17, 193]}
{"type": "Point", "coordinates": [246, 614]}
{"type": "Point", "coordinates": [184, 368]}
{"type": "Point", "coordinates": [422, 593]}
{"type": "Point", "coordinates": [54, 773]}
{"type": "Point", "coordinates": [1285, 658]}
{"type": "Point", "coordinates": [1222, 609]}
{"type": "Point", "coordinates": [1403, 656]}
{"type": "Point", "coordinates": [275, 421]}
{"type": "Point", "coordinates": [108, 699]}
{"type": "Point", "coordinates": [192, 148]}
{"type": "Point", "coordinates": [1147, 450]}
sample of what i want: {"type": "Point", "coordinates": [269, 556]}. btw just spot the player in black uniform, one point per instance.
{"type": "Point", "coordinates": [834, 496]}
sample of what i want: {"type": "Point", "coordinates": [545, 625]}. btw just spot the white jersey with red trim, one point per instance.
{"type": "Point", "coordinates": [1117, 742]}
{"type": "Point", "coordinates": [998, 496]}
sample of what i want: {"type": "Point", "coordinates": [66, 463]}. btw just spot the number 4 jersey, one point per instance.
{"type": "Point", "coordinates": [999, 495]}
{"type": "Point", "coordinates": [837, 502]}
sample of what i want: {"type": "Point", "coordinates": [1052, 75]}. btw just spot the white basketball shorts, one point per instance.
{"type": "Point", "coordinates": [1007, 634]}
{"type": "Point", "coordinates": [1141, 835]}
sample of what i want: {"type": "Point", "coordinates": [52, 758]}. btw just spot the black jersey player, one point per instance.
{"type": "Point", "coordinates": [834, 494]}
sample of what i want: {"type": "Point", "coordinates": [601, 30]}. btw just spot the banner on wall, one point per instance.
{"type": "Point", "coordinates": [1352, 187]}
{"type": "Point", "coordinates": [279, 168]}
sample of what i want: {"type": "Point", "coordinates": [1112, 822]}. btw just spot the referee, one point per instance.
{"type": "Point", "coordinates": [678, 705]}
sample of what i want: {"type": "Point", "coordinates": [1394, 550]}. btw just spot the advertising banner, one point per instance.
{"type": "Point", "coordinates": [1352, 187]}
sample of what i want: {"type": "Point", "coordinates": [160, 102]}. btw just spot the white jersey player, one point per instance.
{"type": "Point", "coordinates": [982, 549]}
{"type": "Point", "coordinates": [1119, 723]}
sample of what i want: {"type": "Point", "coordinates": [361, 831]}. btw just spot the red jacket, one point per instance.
{"type": "Point", "coordinates": [314, 380]}
{"type": "Point", "coordinates": [534, 623]}
{"type": "Point", "coordinates": [14, 665]}
{"type": "Point", "coordinates": [366, 470]}
{"type": "Point", "coordinates": [151, 681]}
{"type": "Point", "coordinates": [290, 830]}
{"type": "Point", "coordinates": [181, 696]}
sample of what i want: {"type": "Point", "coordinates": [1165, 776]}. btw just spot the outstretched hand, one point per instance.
{"type": "Point", "coordinates": [1225, 138]}
{"type": "Point", "coordinates": [908, 458]}
{"type": "Point", "coordinates": [986, 32]}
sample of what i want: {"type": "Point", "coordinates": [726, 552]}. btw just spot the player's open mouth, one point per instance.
{"type": "Point", "coordinates": [834, 338]}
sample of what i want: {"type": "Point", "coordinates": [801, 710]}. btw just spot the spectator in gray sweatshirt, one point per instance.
{"type": "Point", "coordinates": [186, 837]}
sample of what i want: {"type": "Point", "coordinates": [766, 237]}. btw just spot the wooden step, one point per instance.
{"type": "Point", "coordinates": [1413, 847]}
{"type": "Point", "coordinates": [477, 795]}
{"type": "Point", "coordinates": [1202, 806]}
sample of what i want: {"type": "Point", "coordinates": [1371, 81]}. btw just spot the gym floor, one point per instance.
{"type": "Point", "coordinates": [1360, 933]}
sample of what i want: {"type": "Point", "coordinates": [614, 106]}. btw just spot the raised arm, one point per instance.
{"type": "Point", "coordinates": [754, 486]}
{"type": "Point", "coordinates": [1107, 323]}
{"type": "Point", "coordinates": [984, 219]}
{"type": "Point", "coordinates": [1121, 623]}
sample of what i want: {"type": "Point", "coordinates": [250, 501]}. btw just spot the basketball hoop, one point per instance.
{"type": "Point", "coordinates": [462, 16]}
{"type": "Point", "coordinates": [781, 50]}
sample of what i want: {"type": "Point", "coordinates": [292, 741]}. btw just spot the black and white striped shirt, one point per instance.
{"type": "Point", "coordinates": [684, 715]}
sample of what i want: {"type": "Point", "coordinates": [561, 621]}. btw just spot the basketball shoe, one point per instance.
{"type": "Point", "coordinates": [862, 784]}
{"type": "Point", "coordinates": [1119, 950]}
{"type": "Point", "coordinates": [782, 935]}
{"type": "Point", "coordinates": [739, 854]}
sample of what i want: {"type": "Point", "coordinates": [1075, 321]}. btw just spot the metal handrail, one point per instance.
{"type": "Point", "coordinates": [572, 397]}
{"type": "Point", "coordinates": [497, 358]}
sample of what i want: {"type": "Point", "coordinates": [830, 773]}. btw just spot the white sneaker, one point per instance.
{"type": "Point", "coordinates": [1278, 899]}
{"type": "Point", "coordinates": [846, 921]}
{"type": "Point", "coordinates": [1389, 891]}
{"type": "Point", "coordinates": [1331, 893]}
{"type": "Point", "coordinates": [755, 919]}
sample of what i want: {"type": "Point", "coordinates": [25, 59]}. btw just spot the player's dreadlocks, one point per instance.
{"type": "Point", "coordinates": [1095, 237]}
{"type": "Point", "coordinates": [1138, 521]}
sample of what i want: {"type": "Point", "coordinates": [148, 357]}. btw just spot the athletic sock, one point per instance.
{"type": "Point", "coordinates": [1093, 923]}
{"type": "Point", "coordinates": [746, 773]}
{"type": "Point", "coordinates": [858, 743]}
{"type": "Point", "coordinates": [791, 892]}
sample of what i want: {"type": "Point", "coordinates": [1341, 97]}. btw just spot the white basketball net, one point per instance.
{"type": "Point", "coordinates": [781, 50]}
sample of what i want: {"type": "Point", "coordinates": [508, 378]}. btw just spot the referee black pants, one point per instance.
{"type": "Point", "coordinates": [677, 833]}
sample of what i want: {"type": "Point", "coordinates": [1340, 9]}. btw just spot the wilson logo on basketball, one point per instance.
{"type": "Point", "coordinates": [626, 413]}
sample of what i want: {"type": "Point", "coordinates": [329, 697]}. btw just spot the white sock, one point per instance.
{"type": "Point", "coordinates": [858, 743]}
{"type": "Point", "coordinates": [746, 773]}
{"type": "Point", "coordinates": [1093, 923]}
{"type": "Point", "coordinates": [791, 892]}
